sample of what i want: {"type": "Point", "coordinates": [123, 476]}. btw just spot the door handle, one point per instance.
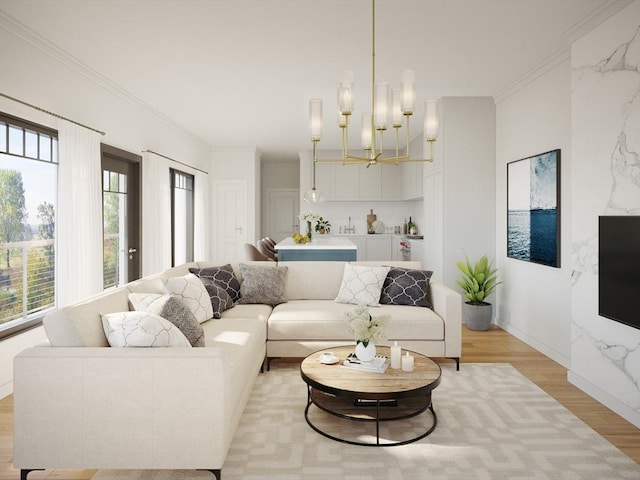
{"type": "Point", "coordinates": [132, 250]}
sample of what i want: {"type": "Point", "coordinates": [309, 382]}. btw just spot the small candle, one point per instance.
{"type": "Point", "coordinates": [396, 353]}
{"type": "Point", "coordinates": [407, 363]}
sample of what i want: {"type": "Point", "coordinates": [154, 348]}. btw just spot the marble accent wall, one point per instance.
{"type": "Point", "coordinates": [605, 170]}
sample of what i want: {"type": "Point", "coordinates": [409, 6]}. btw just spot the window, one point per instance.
{"type": "Point", "coordinates": [28, 173]}
{"type": "Point", "coordinates": [114, 197]}
{"type": "Point", "coordinates": [181, 217]}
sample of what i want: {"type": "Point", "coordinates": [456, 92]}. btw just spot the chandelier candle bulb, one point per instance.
{"type": "Point", "coordinates": [430, 120]}
{"type": "Point", "coordinates": [408, 92]}
{"type": "Point", "coordinates": [381, 104]}
{"type": "Point", "coordinates": [396, 353]}
{"type": "Point", "coordinates": [315, 118]}
{"type": "Point", "coordinates": [367, 132]}
{"type": "Point", "coordinates": [396, 107]}
{"type": "Point", "coordinates": [407, 363]}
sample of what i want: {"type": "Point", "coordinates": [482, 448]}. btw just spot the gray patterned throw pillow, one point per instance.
{"type": "Point", "coordinates": [222, 276]}
{"type": "Point", "coordinates": [220, 299]}
{"type": "Point", "coordinates": [262, 284]}
{"type": "Point", "coordinates": [171, 308]}
{"type": "Point", "coordinates": [405, 286]}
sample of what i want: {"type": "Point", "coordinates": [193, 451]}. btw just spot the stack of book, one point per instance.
{"type": "Point", "coordinates": [379, 364]}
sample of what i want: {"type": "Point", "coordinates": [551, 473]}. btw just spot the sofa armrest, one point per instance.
{"type": "Point", "coordinates": [447, 303]}
{"type": "Point", "coordinates": [120, 408]}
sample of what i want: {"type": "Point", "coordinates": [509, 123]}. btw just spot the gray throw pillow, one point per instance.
{"type": "Point", "coordinates": [220, 299]}
{"type": "Point", "coordinates": [222, 276]}
{"type": "Point", "coordinates": [405, 286]}
{"type": "Point", "coordinates": [262, 284]}
{"type": "Point", "coordinates": [173, 309]}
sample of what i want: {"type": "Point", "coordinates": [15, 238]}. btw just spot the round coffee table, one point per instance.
{"type": "Point", "coordinates": [370, 396]}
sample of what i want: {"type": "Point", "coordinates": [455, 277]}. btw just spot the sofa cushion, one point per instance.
{"type": "Point", "coordinates": [80, 324]}
{"type": "Point", "coordinates": [141, 329]}
{"type": "Point", "coordinates": [325, 319]}
{"type": "Point", "coordinates": [303, 280]}
{"type": "Point", "coordinates": [262, 284]}
{"type": "Point", "coordinates": [192, 291]}
{"type": "Point", "coordinates": [405, 286]}
{"type": "Point", "coordinates": [171, 308]}
{"type": "Point", "coordinates": [361, 285]}
{"type": "Point", "coordinates": [258, 311]}
{"type": "Point", "coordinates": [222, 276]}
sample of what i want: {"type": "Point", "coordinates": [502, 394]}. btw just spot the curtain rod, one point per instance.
{"type": "Point", "coordinates": [50, 113]}
{"type": "Point", "coordinates": [177, 161]}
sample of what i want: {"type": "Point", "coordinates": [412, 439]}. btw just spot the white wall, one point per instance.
{"type": "Point", "coordinates": [534, 300]}
{"type": "Point", "coordinates": [33, 71]}
{"type": "Point", "coordinates": [605, 130]}
{"type": "Point", "coordinates": [459, 198]}
{"type": "Point", "coordinates": [242, 164]}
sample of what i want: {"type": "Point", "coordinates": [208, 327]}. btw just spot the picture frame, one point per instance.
{"type": "Point", "coordinates": [533, 209]}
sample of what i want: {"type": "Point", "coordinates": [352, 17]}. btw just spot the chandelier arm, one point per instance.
{"type": "Point", "coordinates": [407, 152]}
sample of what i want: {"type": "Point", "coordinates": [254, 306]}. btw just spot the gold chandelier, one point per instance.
{"type": "Point", "coordinates": [374, 123]}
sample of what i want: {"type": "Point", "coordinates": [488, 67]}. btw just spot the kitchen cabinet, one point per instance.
{"type": "Point", "coordinates": [326, 180]}
{"type": "Point", "coordinates": [358, 183]}
{"type": "Point", "coordinates": [373, 247]}
{"type": "Point", "coordinates": [347, 182]}
{"type": "Point", "coordinates": [411, 180]}
{"type": "Point", "coordinates": [379, 247]}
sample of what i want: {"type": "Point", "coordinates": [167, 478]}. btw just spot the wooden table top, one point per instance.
{"type": "Point", "coordinates": [393, 383]}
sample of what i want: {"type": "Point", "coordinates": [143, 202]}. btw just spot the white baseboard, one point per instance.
{"type": "Point", "coordinates": [541, 347]}
{"type": "Point", "coordinates": [630, 415]}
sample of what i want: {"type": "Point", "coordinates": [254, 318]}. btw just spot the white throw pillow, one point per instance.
{"type": "Point", "coordinates": [193, 293]}
{"type": "Point", "coordinates": [141, 329]}
{"type": "Point", "coordinates": [362, 285]}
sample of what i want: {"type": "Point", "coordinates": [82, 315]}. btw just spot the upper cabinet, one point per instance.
{"type": "Point", "coordinates": [411, 180]}
{"type": "Point", "coordinates": [358, 183]}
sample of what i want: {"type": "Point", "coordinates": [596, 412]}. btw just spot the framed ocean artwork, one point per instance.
{"type": "Point", "coordinates": [533, 209]}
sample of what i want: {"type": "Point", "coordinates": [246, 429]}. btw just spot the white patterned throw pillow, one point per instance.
{"type": "Point", "coordinates": [193, 293]}
{"type": "Point", "coordinates": [141, 329]}
{"type": "Point", "coordinates": [362, 285]}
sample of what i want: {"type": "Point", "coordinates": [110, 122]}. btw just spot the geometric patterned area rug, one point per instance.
{"type": "Point", "coordinates": [493, 424]}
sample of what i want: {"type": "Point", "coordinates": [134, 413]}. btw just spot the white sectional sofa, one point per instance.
{"type": "Point", "coordinates": [79, 403]}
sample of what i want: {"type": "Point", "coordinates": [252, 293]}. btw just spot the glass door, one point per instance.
{"type": "Point", "coordinates": [121, 216]}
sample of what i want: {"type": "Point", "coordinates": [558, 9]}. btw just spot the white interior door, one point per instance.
{"type": "Point", "coordinates": [284, 206]}
{"type": "Point", "coordinates": [230, 219]}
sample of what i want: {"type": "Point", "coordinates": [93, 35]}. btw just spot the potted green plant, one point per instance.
{"type": "Point", "coordinates": [323, 226]}
{"type": "Point", "coordinates": [477, 282]}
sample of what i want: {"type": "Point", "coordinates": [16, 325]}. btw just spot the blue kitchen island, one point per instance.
{"type": "Point", "coordinates": [322, 248]}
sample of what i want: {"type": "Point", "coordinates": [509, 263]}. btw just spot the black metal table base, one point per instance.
{"type": "Point", "coordinates": [378, 405]}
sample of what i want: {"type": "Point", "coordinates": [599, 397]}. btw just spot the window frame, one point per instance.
{"type": "Point", "coordinates": [173, 187]}
{"type": "Point", "coordinates": [33, 320]}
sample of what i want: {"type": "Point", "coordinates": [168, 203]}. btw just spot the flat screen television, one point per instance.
{"type": "Point", "coordinates": [619, 269]}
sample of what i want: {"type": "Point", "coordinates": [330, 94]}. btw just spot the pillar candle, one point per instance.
{"type": "Point", "coordinates": [396, 353]}
{"type": "Point", "coordinates": [407, 363]}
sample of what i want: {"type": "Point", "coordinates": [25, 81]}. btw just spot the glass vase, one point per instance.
{"type": "Point", "coordinates": [309, 230]}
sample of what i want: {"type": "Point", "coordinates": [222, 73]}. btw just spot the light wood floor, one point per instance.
{"type": "Point", "coordinates": [494, 346]}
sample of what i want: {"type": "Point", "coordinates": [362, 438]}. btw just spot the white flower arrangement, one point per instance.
{"type": "Point", "coordinates": [309, 217]}
{"type": "Point", "coordinates": [364, 327]}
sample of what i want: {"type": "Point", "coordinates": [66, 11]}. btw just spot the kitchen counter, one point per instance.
{"type": "Point", "coordinates": [321, 248]}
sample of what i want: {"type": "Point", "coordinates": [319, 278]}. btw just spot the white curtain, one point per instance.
{"type": "Point", "coordinates": [79, 214]}
{"type": "Point", "coordinates": [201, 217]}
{"type": "Point", "coordinates": [156, 214]}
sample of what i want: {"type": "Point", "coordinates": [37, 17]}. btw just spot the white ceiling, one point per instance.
{"type": "Point", "coordinates": [240, 73]}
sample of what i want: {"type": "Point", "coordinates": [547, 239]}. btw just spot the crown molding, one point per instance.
{"type": "Point", "coordinates": [584, 26]}
{"type": "Point", "coordinates": [21, 31]}
{"type": "Point", "coordinates": [595, 18]}
{"type": "Point", "coordinates": [533, 74]}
